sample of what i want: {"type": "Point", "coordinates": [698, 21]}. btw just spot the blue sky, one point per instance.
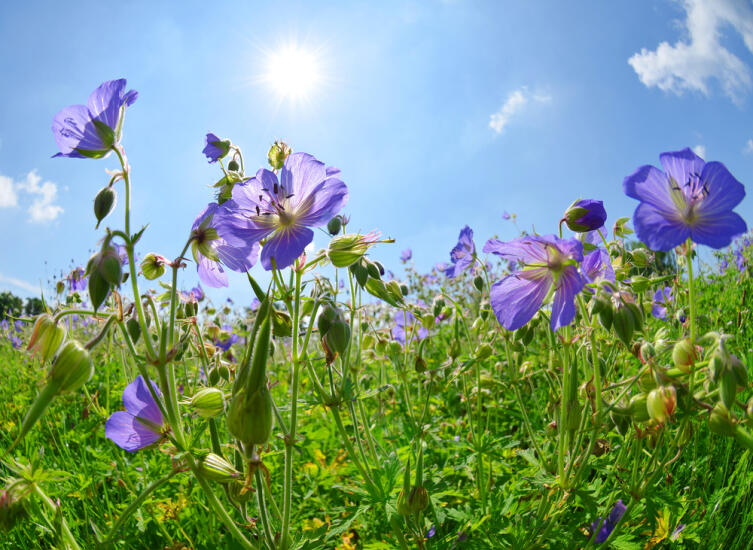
{"type": "Point", "coordinates": [439, 114]}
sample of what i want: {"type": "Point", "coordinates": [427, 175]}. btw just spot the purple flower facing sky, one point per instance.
{"type": "Point", "coordinates": [604, 527]}
{"type": "Point", "coordinates": [215, 148]}
{"type": "Point", "coordinates": [662, 299]}
{"type": "Point", "coordinates": [141, 424]}
{"type": "Point", "coordinates": [549, 262]}
{"type": "Point", "coordinates": [282, 211]}
{"type": "Point", "coordinates": [91, 130]}
{"type": "Point", "coordinates": [690, 199]}
{"type": "Point", "coordinates": [463, 255]}
{"type": "Point", "coordinates": [406, 255]}
{"type": "Point", "coordinates": [211, 249]}
{"type": "Point", "coordinates": [415, 331]}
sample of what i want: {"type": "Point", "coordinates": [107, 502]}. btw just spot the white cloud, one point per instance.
{"type": "Point", "coordinates": [8, 196]}
{"type": "Point", "coordinates": [693, 61]}
{"type": "Point", "coordinates": [18, 283]}
{"type": "Point", "coordinates": [514, 103]}
{"type": "Point", "coordinates": [748, 146]}
{"type": "Point", "coordinates": [700, 150]}
{"type": "Point", "coordinates": [43, 207]}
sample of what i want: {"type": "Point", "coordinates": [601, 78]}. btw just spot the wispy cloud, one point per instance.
{"type": "Point", "coordinates": [8, 196]}
{"type": "Point", "coordinates": [516, 101]}
{"type": "Point", "coordinates": [748, 147]}
{"type": "Point", "coordinates": [43, 195]}
{"type": "Point", "coordinates": [19, 283]}
{"type": "Point", "coordinates": [699, 57]}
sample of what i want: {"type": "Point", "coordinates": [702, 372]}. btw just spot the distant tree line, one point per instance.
{"type": "Point", "coordinates": [13, 306]}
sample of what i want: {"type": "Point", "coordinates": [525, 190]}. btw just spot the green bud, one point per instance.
{"type": "Point", "coordinates": [208, 402]}
{"type": "Point", "coordinates": [214, 467]}
{"type": "Point", "coordinates": [345, 250]}
{"type": "Point", "coordinates": [381, 346]}
{"type": "Point", "coordinates": [404, 289]}
{"type": "Point", "coordinates": [153, 266]}
{"type": "Point", "coordinates": [437, 306]}
{"type": "Point", "coordinates": [214, 374]}
{"type": "Point", "coordinates": [12, 508]}
{"type": "Point", "coordinates": [107, 264]}
{"type": "Point", "coordinates": [368, 341]}
{"type": "Point", "coordinates": [46, 337]}
{"type": "Point", "coordinates": [478, 282]}
{"type": "Point", "coordinates": [418, 499]}
{"type": "Point", "coordinates": [360, 272]}
{"type": "Point", "coordinates": [278, 152]}
{"type": "Point", "coordinates": [638, 408]}
{"type": "Point", "coordinates": [134, 329]}
{"type": "Point", "coordinates": [484, 352]}
{"type": "Point", "coordinates": [728, 388]}
{"type": "Point", "coordinates": [624, 324]}
{"type": "Point", "coordinates": [648, 352]}
{"type": "Point", "coordinates": [394, 288]}
{"type": "Point", "coordinates": [446, 312]}
{"type": "Point", "coordinates": [104, 202]}
{"type": "Point", "coordinates": [720, 421]}
{"type": "Point", "coordinates": [428, 321]}
{"type": "Point", "coordinates": [233, 165]}
{"type": "Point", "coordinates": [640, 257]}
{"type": "Point", "coordinates": [683, 355]}
{"type": "Point", "coordinates": [251, 418]}
{"type": "Point", "coordinates": [328, 316]}
{"type": "Point", "coordinates": [639, 283]}
{"type": "Point", "coordinates": [739, 370]}
{"type": "Point", "coordinates": [395, 348]}
{"type": "Point", "coordinates": [72, 368]}
{"type": "Point", "coordinates": [419, 364]}
{"type": "Point", "coordinates": [661, 403]}
{"type": "Point", "coordinates": [334, 225]}
{"type": "Point", "coordinates": [338, 337]}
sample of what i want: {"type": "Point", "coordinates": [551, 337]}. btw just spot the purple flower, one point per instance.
{"type": "Point", "coordinates": [308, 194]}
{"type": "Point", "coordinates": [224, 344]}
{"type": "Point", "coordinates": [463, 255]}
{"type": "Point", "coordinates": [198, 293]}
{"type": "Point", "coordinates": [215, 148]}
{"type": "Point", "coordinates": [400, 331]}
{"type": "Point", "coordinates": [18, 325]}
{"type": "Point", "coordinates": [141, 424]}
{"type": "Point", "coordinates": [604, 527]}
{"type": "Point", "coordinates": [255, 303]}
{"type": "Point", "coordinates": [122, 253]}
{"type": "Point", "coordinates": [210, 249]}
{"type": "Point", "coordinates": [91, 130]}
{"type": "Point", "coordinates": [690, 199]}
{"type": "Point", "coordinates": [548, 261]}
{"type": "Point", "coordinates": [77, 280]}
{"type": "Point", "coordinates": [506, 215]}
{"type": "Point", "coordinates": [4, 325]}
{"type": "Point", "coordinates": [662, 299]}
{"type": "Point", "coordinates": [585, 215]}
{"type": "Point", "coordinates": [740, 260]}
{"type": "Point", "coordinates": [723, 265]}
{"type": "Point", "coordinates": [16, 342]}
{"type": "Point", "coordinates": [676, 533]}
{"type": "Point", "coordinates": [406, 255]}
{"type": "Point", "coordinates": [596, 266]}
{"type": "Point", "coordinates": [431, 532]}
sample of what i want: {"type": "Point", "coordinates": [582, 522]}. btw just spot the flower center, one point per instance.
{"type": "Point", "coordinates": [276, 202]}
{"type": "Point", "coordinates": [688, 196]}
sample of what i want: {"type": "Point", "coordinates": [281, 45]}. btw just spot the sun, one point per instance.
{"type": "Point", "coordinates": [293, 72]}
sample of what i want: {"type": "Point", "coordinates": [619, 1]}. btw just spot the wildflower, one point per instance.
{"type": "Point", "coordinates": [226, 338]}
{"type": "Point", "coordinates": [598, 266]}
{"type": "Point", "coordinates": [406, 255]}
{"type": "Point", "coordinates": [604, 527]}
{"type": "Point", "coordinates": [690, 199]}
{"type": "Point", "coordinates": [77, 280]}
{"type": "Point", "coordinates": [463, 255]}
{"type": "Point", "coordinates": [141, 424]}
{"type": "Point", "coordinates": [215, 148]}
{"type": "Point", "coordinates": [431, 532]}
{"type": "Point", "coordinates": [740, 261]}
{"type": "Point", "coordinates": [662, 299]}
{"type": "Point", "coordinates": [506, 215]}
{"type": "Point", "coordinates": [16, 342]}
{"type": "Point", "coordinates": [585, 215]}
{"type": "Point", "coordinates": [209, 249]}
{"type": "Point", "coordinates": [549, 262]}
{"type": "Point", "coordinates": [723, 266]}
{"type": "Point", "coordinates": [399, 332]}
{"type": "Point", "coordinates": [282, 211]}
{"type": "Point", "coordinates": [92, 130]}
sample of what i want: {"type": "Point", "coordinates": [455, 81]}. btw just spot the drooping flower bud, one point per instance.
{"type": "Point", "coordinates": [338, 336]}
{"type": "Point", "coordinates": [661, 403]}
{"type": "Point", "coordinates": [334, 225]}
{"type": "Point", "coordinates": [638, 408]}
{"type": "Point", "coordinates": [278, 152]}
{"type": "Point", "coordinates": [720, 421]}
{"type": "Point", "coordinates": [437, 306]}
{"type": "Point", "coordinates": [46, 337]}
{"type": "Point", "coordinates": [214, 467]}
{"type": "Point", "coordinates": [208, 402]}
{"type": "Point", "coordinates": [478, 282]}
{"type": "Point", "coordinates": [104, 203]}
{"type": "Point", "coordinates": [345, 250]}
{"type": "Point", "coordinates": [153, 266]}
{"type": "Point", "coordinates": [684, 355]}
{"type": "Point", "coordinates": [233, 165]}
{"type": "Point", "coordinates": [72, 368]}
{"type": "Point", "coordinates": [134, 329]}
{"type": "Point", "coordinates": [585, 215]}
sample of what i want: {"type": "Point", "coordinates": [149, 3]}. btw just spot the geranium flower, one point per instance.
{"type": "Point", "coordinates": [400, 331]}
{"type": "Point", "coordinates": [585, 215]}
{"type": "Point", "coordinates": [406, 255]}
{"type": "Point", "coordinates": [662, 299]}
{"type": "Point", "coordinates": [463, 255]}
{"type": "Point", "coordinates": [225, 343]}
{"type": "Point", "coordinates": [91, 130]}
{"type": "Point", "coordinates": [141, 424]}
{"type": "Point", "coordinates": [690, 199]}
{"type": "Point", "coordinates": [597, 265]}
{"type": "Point", "coordinates": [209, 249]}
{"type": "Point", "coordinates": [282, 211]}
{"type": "Point", "coordinates": [548, 262]}
{"type": "Point", "coordinates": [77, 280]}
{"type": "Point", "coordinates": [604, 527]}
{"type": "Point", "coordinates": [215, 148]}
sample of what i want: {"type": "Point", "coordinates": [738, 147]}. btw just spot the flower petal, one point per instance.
{"type": "Point", "coordinates": [724, 192]}
{"type": "Point", "coordinates": [528, 250]}
{"type": "Point", "coordinates": [138, 400]}
{"type": "Point", "coordinates": [563, 308]}
{"type": "Point", "coordinates": [680, 165]}
{"type": "Point", "coordinates": [285, 246]}
{"type": "Point", "coordinates": [323, 203]}
{"type": "Point", "coordinates": [128, 433]}
{"type": "Point", "coordinates": [300, 174]}
{"type": "Point", "coordinates": [238, 259]}
{"type": "Point", "coordinates": [516, 298]}
{"type": "Point", "coordinates": [650, 185]}
{"type": "Point", "coordinates": [657, 231]}
{"type": "Point", "coordinates": [718, 231]}
{"type": "Point", "coordinates": [104, 102]}
{"type": "Point", "coordinates": [73, 129]}
{"type": "Point", "coordinates": [211, 273]}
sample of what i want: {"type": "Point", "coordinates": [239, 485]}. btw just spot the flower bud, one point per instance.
{"type": "Point", "coordinates": [683, 355]}
{"type": "Point", "coordinates": [250, 418]}
{"type": "Point", "coordinates": [728, 388]}
{"type": "Point", "coordinates": [338, 337]}
{"type": "Point", "coordinates": [739, 370]}
{"type": "Point", "coordinates": [428, 321]}
{"type": "Point", "coordinates": [334, 225]}
{"type": "Point", "coordinates": [661, 403]}
{"type": "Point", "coordinates": [395, 348]}
{"type": "Point", "coordinates": [153, 266]}
{"type": "Point", "coordinates": [345, 250]}
{"type": "Point", "coordinates": [640, 257]}
{"type": "Point", "coordinates": [381, 346]}
{"type": "Point", "coordinates": [585, 215]}
{"type": "Point", "coordinates": [278, 152]}
{"type": "Point", "coordinates": [624, 324]}
{"type": "Point", "coordinates": [233, 165]}
{"type": "Point", "coordinates": [367, 342]}
{"type": "Point", "coordinates": [639, 283]}
{"type": "Point", "coordinates": [418, 499]}
{"type": "Point", "coordinates": [12, 509]}
{"type": "Point", "coordinates": [647, 352]}
{"type": "Point", "coordinates": [720, 421]}
{"type": "Point", "coordinates": [638, 408]}
{"type": "Point", "coordinates": [107, 264]}
{"type": "Point", "coordinates": [484, 352]}
{"type": "Point", "coordinates": [134, 329]}
{"type": "Point", "coordinates": [72, 368]}
{"type": "Point", "coordinates": [208, 402]}
{"type": "Point", "coordinates": [419, 364]}
{"type": "Point", "coordinates": [46, 337]}
{"type": "Point", "coordinates": [478, 282]}
{"type": "Point", "coordinates": [446, 312]}
{"type": "Point", "coordinates": [395, 290]}
{"type": "Point", "coordinates": [213, 466]}
{"type": "Point", "coordinates": [104, 202]}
